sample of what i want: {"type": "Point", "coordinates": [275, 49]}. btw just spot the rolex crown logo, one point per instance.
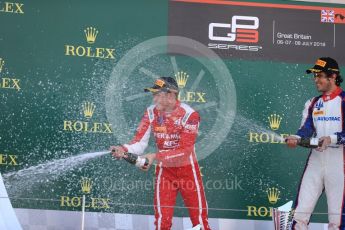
{"type": "Point", "coordinates": [88, 108]}
{"type": "Point", "coordinates": [2, 63]}
{"type": "Point", "coordinates": [275, 120]}
{"type": "Point", "coordinates": [91, 34]}
{"type": "Point", "coordinates": [181, 78]}
{"type": "Point", "coordinates": [86, 185]}
{"type": "Point", "coordinates": [273, 195]}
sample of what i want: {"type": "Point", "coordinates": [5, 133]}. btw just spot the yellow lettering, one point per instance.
{"type": "Point", "coordinates": [83, 126]}
{"type": "Point", "coordinates": [69, 50]}
{"type": "Point", "coordinates": [9, 7]}
{"type": "Point", "coordinates": [89, 54]}
{"type": "Point", "coordinates": [19, 9]}
{"type": "Point", "coordinates": [78, 126]}
{"type": "Point", "coordinates": [96, 127]}
{"type": "Point", "coordinates": [263, 211]}
{"type": "Point", "coordinates": [105, 203]}
{"type": "Point", "coordinates": [200, 97]}
{"type": "Point", "coordinates": [267, 138]}
{"type": "Point", "coordinates": [13, 159]}
{"type": "Point", "coordinates": [6, 83]}
{"type": "Point", "coordinates": [273, 139]}
{"type": "Point", "coordinates": [180, 97]}
{"type": "Point", "coordinates": [190, 96]}
{"type": "Point", "coordinates": [94, 203]}
{"type": "Point", "coordinates": [284, 136]}
{"type": "Point", "coordinates": [86, 126]}
{"type": "Point", "coordinates": [76, 201]}
{"type": "Point", "coordinates": [107, 128]}
{"type": "Point", "coordinates": [264, 138]}
{"type": "Point", "coordinates": [16, 84]}
{"type": "Point", "coordinates": [67, 125]}
{"type": "Point", "coordinates": [110, 54]}
{"type": "Point", "coordinates": [3, 160]}
{"type": "Point", "coordinates": [253, 136]}
{"type": "Point", "coordinates": [99, 52]}
{"type": "Point", "coordinates": [82, 49]}
{"type": "Point", "coordinates": [65, 201]}
{"type": "Point", "coordinates": [252, 211]}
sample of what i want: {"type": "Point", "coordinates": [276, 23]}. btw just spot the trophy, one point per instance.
{"type": "Point", "coordinates": [282, 217]}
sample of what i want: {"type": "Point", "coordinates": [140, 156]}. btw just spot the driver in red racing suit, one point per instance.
{"type": "Point", "coordinates": [175, 128]}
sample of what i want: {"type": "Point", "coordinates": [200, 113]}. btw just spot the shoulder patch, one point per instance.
{"type": "Point", "coordinates": [189, 110]}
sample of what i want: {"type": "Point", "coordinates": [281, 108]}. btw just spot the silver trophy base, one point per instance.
{"type": "Point", "coordinates": [282, 217]}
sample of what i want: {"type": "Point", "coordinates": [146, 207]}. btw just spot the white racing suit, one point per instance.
{"type": "Point", "coordinates": [324, 171]}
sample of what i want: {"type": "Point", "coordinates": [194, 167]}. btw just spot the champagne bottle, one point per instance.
{"type": "Point", "coordinates": [309, 142]}
{"type": "Point", "coordinates": [140, 162]}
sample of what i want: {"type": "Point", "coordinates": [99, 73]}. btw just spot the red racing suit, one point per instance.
{"type": "Point", "coordinates": [177, 170]}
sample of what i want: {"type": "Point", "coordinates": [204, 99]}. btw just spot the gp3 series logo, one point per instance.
{"type": "Point", "coordinates": [239, 32]}
{"type": "Point", "coordinates": [243, 29]}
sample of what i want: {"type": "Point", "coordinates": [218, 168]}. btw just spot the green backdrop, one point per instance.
{"type": "Point", "coordinates": [34, 131]}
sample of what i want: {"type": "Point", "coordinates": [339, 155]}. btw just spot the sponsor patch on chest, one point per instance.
{"type": "Point", "coordinates": [160, 129]}
{"type": "Point", "coordinates": [318, 113]}
{"type": "Point", "coordinates": [325, 118]}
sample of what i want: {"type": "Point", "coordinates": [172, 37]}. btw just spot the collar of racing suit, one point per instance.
{"type": "Point", "coordinates": [331, 96]}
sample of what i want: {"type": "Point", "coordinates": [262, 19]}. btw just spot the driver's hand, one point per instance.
{"type": "Point", "coordinates": [151, 157]}
{"type": "Point", "coordinates": [326, 141]}
{"type": "Point", "coordinates": [291, 141]}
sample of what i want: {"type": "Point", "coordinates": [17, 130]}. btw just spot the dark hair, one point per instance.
{"type": "Point", "coordinates": [338, 78]}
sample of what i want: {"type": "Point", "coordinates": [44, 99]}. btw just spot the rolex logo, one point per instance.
{"type": "Point", "coordinates": [181, 78]}
{"type": "Point", "coordinates": [2, 63]}
{"type": "Point", "coordinates": [185, 95]}
{"type": "Point", "coordinates": [86, 185]}
{"type": "Point", "coordinates": [90, 51]}
{"type": "Point", "coordinates": [11, 7]}
{"type": "Point", "coordinates": [273, 195]}
{"type": "Point", "coordinates": [8, 82]}
{"type": "Point", "coordinates": [91, 34]}
{"type": "Point", "coordinates": [274, 120]}
{"type": "Point", "coordinates": [88, 108]}
{"type": "Point", "coordinates": [87, 126]}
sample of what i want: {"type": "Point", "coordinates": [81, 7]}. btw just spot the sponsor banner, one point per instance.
{"type": "Point", "coordinates": [260, 31]}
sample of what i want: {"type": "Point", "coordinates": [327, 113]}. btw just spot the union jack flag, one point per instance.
{"type": "Point", "coordinates": [327, 16]}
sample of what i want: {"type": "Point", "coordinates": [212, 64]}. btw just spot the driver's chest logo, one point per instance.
{"type": "Point", "coordinates": [317, 108]}
{"type": "Point", "coordinates": [160, 127]}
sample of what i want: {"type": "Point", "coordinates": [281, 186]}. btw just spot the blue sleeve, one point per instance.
{"type": "Point", "coordinates": [340, 138]}
{"type": "Point", "coordinates": [307, 129]}
{"type": "Point", "coordinates": [341, 135]}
